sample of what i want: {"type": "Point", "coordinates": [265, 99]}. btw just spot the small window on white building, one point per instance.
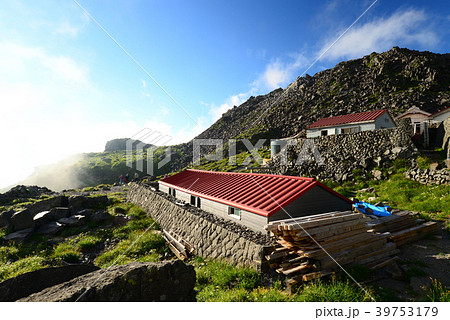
{"type": "Point", "coordinates": [172, 192]}
{"type": "Point", "coordinates": [417, 127]}
{"type": "Point", "coordinates": [324, 132]}
{"type": "Point", "coordinates": [350, 130]}
{"type": "Point", "coordinates": [234, 212]}
{"type": "Point", "coordinates": [196, 201]}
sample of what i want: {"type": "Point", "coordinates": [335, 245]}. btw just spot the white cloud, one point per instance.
{"type": "Point", "coordinates": [279, 72]}
{"type": "Point", "coordinates": [406, 27]}
{"type": "Point", "coordinates": [235, 100]}
{"type": "Point", "coordinates": [19, 60]}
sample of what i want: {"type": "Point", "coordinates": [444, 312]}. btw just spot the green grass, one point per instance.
{"type": "Point", "coordinates": [221, 281]}
{"type": "Point", "coordinates": [139, 246]}
{"type": "Point", "coordinates": [67, 252]}
{"type": "Point", "coordinates": [8, 253]}
{"type": "Point", "coordinates": [411, 195]}
{"type": "Point", "coordinates": [432, 202]}
{"type": "Point", "coordinates": [88, 242]}
{"type": "Point", "coordinates": [27, 264]}
{"type": "Point", "coordinates": [438, 292]}
{"type": "Point", "coordinates": [332, 291]}
{"type": "Point", "coordinates": [240, 159]}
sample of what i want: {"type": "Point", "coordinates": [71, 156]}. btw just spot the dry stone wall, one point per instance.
{"type": "Point", "coordinates": [211, 236]}
{"type": "Point", "coordinates": [428, 176]}
{"type": "Point", "coordinates": [345, 155]}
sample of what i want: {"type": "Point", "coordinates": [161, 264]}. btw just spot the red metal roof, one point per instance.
{"type": "Point", "coordinates": [349, 118]}
{"type": "Point", "coordinates": [263, 194]}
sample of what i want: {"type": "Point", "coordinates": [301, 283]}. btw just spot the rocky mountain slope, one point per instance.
{"type": "Point", "coordinates": [121, 144]}
{"type": "Point", "coordinates": [393, 80]}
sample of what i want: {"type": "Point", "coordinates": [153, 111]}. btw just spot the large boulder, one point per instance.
{"type": "Point", "coordinates": [60, 212]}
{"type": "Point", "coordinates": [5, 218]}
{"type": "Point", "coordinates": [97, 201]}
{"type": "Point", "coordinates": [75, 220]}
{"type": "Point", "coordinates": [19, 236]}
{"type": "Point", "coordinates": [22, 220]}
{"type": "Point", "coordinates": [50, 228]}
{"type": "Point", "coordinates": [138, 281]}
{"type": "Point", "coordinates": [35, 281]}
{"type": "Point", "coordinates": [42, 218]}
{"type": "Point", "coordinates": [78, 203]}
{"type": "Point", "coordinates": [47, 204]}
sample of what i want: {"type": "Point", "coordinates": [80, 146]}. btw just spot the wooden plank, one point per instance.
{"type": "Point", "coordinates": [426, 225]}
{"type": "Point", "coordinates": [315, 275]}
{"type": "Point", "coordinates": [323, 222]}
{"type": "Point", "coordinates": [311, 217]}
{"type": "Point", "coordinates": [296, 269]}
{"type": "Point", "coordinates": [384, 263]}
{"type": "Point", "coordinates": [324, 233]}
{"type": "Point", "coordinates": [349, 256]}
{"type": "Point", "coordinates": [342, 245]}
{"type": "Point", "coordinates": [175, 242]}
{"type": "Point", "coordinates": [278, 254]}
{"type": "Point", "coordinates": [174, 249]}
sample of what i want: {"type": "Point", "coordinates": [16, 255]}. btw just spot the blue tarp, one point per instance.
{"type": "Point", "coordinates": [368, 208]}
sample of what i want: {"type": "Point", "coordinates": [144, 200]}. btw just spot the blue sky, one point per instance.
{"type": "Point", "coordinates": [66, 87]}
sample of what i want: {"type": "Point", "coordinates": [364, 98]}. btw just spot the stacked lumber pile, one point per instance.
{"type": "Point", "coordinates": [177, 245]}
{"type": "Point", "coordinates": [313, 246]}
{"type": "Point", "coordinates": [403, 226]}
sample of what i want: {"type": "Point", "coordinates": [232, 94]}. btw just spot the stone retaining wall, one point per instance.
{"type": "Point", "coordinates": [211, 236]}
{"type": "Point", "coordinates": [345, 155]}
{"type": "Point", "coordinates": [428, 176]}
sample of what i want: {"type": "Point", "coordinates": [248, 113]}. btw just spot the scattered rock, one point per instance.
{"type": "Point", "coordinates": [19, 236]}
{"type": "Point", "coordinates": [377, 175]}
{"type": "Point", "coordinates": [120, 220]}
{"type": "Point", "coordinates": [51, 227]}
{"type": "Point", "coordinates": [60, 212]}
{"type": "Point", "coordinates": [22, 220]}
{"type": "Point", "coordinates": [5, 219]}
{"type": "Point", "coordinates": [47, 204]}
{"type": "Point", "coordinates": [395, 271]}
{"type": "Point", "coordinates": [76, 203]}
{"type": "Point", "coordinates": [434, 166]}
{"type": "Point", "coordinates": [85, 212]}
{"type": "Point", "coordinates": [42, 218]}
{"type": "Point", "coordinates": [94, 202]}
{"type": "Point", "coordinates": [99, 216]}
{"type": "Point", "coordinates": [138, 281]}
{"type": "Point", "coordinates": [75, 220]}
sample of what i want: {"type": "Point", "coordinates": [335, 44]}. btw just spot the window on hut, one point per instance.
{"type": "Point", "coordinates": [234, 212]}
{"type": "Point", "coordinates": [195, 201]}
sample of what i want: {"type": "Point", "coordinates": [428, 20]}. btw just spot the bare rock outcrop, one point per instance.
{"type": "Point", "coordinates": [36, 281]}
{"type": "Point", "coordinates": [137, 281]}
